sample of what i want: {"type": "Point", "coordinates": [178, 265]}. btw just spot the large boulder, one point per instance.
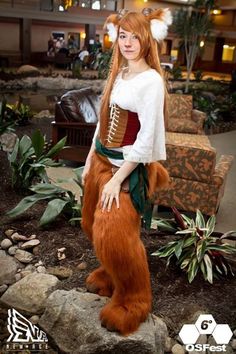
{"type": "Point", "coordinates": [29, 294]}
{"type": "Point", "coordinates": [28, 69]}
{"type": "Point", "coordinates": [71, 318]}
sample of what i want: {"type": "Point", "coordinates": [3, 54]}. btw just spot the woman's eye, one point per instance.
{"type": "Point", "coordinates": [121, 36]}
{"type": "Point", "coordinates": [134, 36]}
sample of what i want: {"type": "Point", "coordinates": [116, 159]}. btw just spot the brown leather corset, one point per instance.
{"type": "Point", "coordinates": [123, 127]}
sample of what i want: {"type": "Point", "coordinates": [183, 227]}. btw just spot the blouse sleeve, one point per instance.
{"type": "Point", "coordinates": [149, 145]}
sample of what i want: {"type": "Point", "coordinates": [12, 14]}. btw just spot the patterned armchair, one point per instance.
{"type": "Point", "coordinates": [182, 117]}
{"type": "Point", "coordinates": [197, 181]}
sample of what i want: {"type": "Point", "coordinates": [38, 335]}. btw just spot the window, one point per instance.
{"type": "Point", "coordinates": [228, 53]}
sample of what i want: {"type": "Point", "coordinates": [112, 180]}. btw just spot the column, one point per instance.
{"type": "Point", "coordinates": [25, 39]}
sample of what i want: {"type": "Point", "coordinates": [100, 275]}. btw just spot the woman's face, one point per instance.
{"type": "Point", "coordinates": [129, 44]}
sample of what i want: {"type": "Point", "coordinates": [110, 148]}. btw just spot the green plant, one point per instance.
{"type": "Point", "coordinates": [209, 107]}
{"type": "Point", "coordinates": [227, 108]}
{"type": "Point", "coordinates": [20, 112]}
{"type": "Point", "coordinates": [60, 201]}
{"type": "Point", "coordinates": [29, 159]}
{"type": "Point", "coordinates": [76, 69]}
{"type": "Point", "coordinates": [198, 75]}
{"type": "Point", "coordinates": [192, 24]}
{"type": "Point", "coordinates": [197, 249]}
{"type": "Point", "coordinates": [6, 120]}
{"type": "Point", "coordinates": [104, 64]}
{"type": "Point", "coordinates": [176, 72]}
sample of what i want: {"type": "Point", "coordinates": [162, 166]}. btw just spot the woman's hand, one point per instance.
{"type": "Point", "coordinates": [111, 191]}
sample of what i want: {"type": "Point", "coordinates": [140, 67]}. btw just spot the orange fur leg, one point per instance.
{"type": "Point", "coordinates": [99, 282]}
{"type": "Point", "coordinates": [123, 256]}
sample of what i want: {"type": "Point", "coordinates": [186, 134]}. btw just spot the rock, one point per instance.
{"type": "Point", "coordinates": [6, 243]}
{"type": "Point", "coordinates": [233, 344]}
{"type": "Point", "coordinates": [60, 272]}
{"type": "Point", "coordinates": [43, 114]}
{"type": "Point", "coordinates": [32, 237]}
{"type": "Point", "coordinates": [30, 244]}
{"type": "Point", "coordinates": [234, 333]}
{"type": "Point", "coordinates": [82, 266]}
{"type": "Point", "coordinates": [17, 237]}
{"type": "Point", "coordinates": [35, 250]}
{"type": "Point", "coordinates": [169, 343]}
{"type": "Point", "coordinates": [177, 349]}
{"type": "Point", "coordinates": [24, 256]}
{"type": "Point", "coordinates": [7, 141]}
{"type": "Point", "coordinates": [24, 273]}
{"type": "Point", "coordinates": [17, 276]}
{"type": "Point", "coordinates": [30, 293]}
{"type": "Point", "coordinates": [39, 263]}
{"type": "Point", "coordinates": [2, 253]}
{"type": "Point", "coordinates": [8, 270]}
{"type": "Point", "coordinates": [31, 268]}
{"type": "Point", "coordinates": [9, 232]}
{"type": "Point", "coordinates": [71, 310]}
{"type": "Point", "coordinates": [12, 250]}
{"type": "Point", "coordinates": [3, 288]}
{"type": "Point", "coordinates": [28, 69]}
{"type": "Point", "coordinates": [41, 269]}
{"type": "Point", "coordinates": [60, 253]}
{"type": "Point", "coordinates": [34, 319]}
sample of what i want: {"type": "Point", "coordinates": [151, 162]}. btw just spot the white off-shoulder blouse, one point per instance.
{"type": "Point", "coordinates": [144, 95]}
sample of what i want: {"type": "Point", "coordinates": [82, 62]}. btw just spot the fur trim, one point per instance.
{"type": "Point", "coordinates": [112, 31]}
{"type": "Point", "coordinates": [159, 26]}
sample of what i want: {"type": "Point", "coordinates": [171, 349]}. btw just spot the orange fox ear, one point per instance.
{"type": "Point", "coordinates": [111, 25]}
{"type": "Point", "coordinates": [159, 21]}
{"type": "Point", "coordinates": [158, 177]}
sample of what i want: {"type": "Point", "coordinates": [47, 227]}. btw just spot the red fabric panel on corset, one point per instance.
{"type": "Point", "coordinates": [132, 129]}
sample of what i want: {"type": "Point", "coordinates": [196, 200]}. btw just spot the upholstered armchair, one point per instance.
{"type": "Point", "coordinates": [182, 118]}
{"type": "Point", "coordinates": [197, 181]}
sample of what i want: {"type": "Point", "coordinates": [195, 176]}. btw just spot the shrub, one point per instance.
{"type": "Point", "coordinates": [176, 72]}
{"type": "Point", "coordinates": [6, 120]}
{"type": "Point", "coordinates": [197, 249]}
{"type": "Point", "coordinates": [60, 201]}
{"type": "Point", "coordinates": [29, 159]}
{"type": "Point", "coordinates": [20, 112]}
{"type": "Point", "coordinates": [104, 64]}
{"type": "Point", "coordinates": [198, 75]}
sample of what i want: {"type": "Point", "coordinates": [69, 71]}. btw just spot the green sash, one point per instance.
{"type": "Point", "coordinates": [138, 184]}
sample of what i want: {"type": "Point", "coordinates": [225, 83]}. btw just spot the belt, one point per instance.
{"type": "Point", "coordinates": [138, 184]}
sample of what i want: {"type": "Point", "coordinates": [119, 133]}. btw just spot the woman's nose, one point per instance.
{"type": "Point", "coordinates": [128, 42]}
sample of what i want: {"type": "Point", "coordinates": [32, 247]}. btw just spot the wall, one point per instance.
{"type": "Point", "coordinates": [9, 36]}
{"type": "Point", "coordinates": [40, 35]}
{"type": "Point", "coordinates": [208, 51]}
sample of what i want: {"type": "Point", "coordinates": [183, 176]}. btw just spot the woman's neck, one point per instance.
{"type": "Point", "coordinates": [139, 66]}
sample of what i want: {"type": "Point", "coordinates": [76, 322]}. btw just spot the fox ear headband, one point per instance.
{"type": "Point", "coordinates": [159, 21]}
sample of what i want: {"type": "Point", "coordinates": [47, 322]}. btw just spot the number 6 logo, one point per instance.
{"type": "Point", "coordinates": [205, 324]}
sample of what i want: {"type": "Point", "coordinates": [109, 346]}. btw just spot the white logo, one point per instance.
{"type": "Point", "coordinates": [205, 324]}
{"type": "Point", "coordinates": [24, 334]}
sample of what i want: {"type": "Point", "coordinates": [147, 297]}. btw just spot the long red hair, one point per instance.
{"type": "Point", "coordinates": [139, 24]}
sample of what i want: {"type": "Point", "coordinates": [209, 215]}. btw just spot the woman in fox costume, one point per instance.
{"type": "Point", "coordinates": [121, 171]}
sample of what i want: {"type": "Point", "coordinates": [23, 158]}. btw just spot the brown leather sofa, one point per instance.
{"type": "Point", "coordinates": [76, 116]}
